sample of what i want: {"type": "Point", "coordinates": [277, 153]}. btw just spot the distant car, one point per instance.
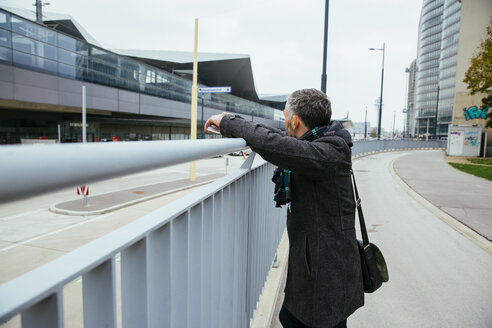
{"type": "Point", "coordinates": [444, 138]}
{"type": "Point", "coordinates": [237, 153]}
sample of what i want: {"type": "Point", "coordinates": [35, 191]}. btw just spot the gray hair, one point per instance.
{"type": "Point", "coordinates": [311, 105]}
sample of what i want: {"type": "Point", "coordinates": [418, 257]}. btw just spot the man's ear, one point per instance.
{"type": "Point", "coordinates": [294, 121]}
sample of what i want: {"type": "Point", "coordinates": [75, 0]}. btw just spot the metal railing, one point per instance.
{"type": "Point", "coordinates": [362, 147]}
{"type": "Point", "coordinates": [200, 261]}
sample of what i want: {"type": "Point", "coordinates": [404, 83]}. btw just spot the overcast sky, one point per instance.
{"type": "Point", "coordinates": [283, 37]}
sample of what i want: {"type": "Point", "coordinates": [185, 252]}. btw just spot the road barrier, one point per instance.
{"type": "Point", "coordinates": [363, 147]}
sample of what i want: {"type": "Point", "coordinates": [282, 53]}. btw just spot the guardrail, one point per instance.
{"type": "Point", "coordinates": [200, 261]}
{"type": "Point", "coordinates": [362, 147]}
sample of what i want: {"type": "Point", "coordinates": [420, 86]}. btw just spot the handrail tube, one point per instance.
{"type": "Point", "coordinates": [49, 278]}
{"type": "Point", "coordinates": [27, 170]}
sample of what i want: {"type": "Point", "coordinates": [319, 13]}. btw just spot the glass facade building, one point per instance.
{"type": "Point", "coordinates": [436, 66]}
{"type": "Point", "coordinates": [447, 64]}
{"type": "Point", "coordinates": [428, 54]}
{"type": "Point", "coordinates": [30, 45]}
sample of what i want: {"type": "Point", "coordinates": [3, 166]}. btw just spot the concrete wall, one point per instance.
{"type": "Point", "coordinates": [475, 17]}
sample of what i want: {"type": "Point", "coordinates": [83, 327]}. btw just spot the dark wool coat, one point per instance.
{"type": "Point", "coordinates": [324, 279]}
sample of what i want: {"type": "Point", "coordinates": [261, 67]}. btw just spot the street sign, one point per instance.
{"type": "Point", "coordinates": [215, 90]}
{"type": "Point", "coordinates": [83, 190]}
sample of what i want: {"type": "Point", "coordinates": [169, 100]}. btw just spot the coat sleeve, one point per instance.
{"type": "Point", "coordinates": [300, 156]}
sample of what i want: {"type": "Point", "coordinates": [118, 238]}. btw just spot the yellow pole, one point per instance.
{"type": "Point", "coordinates": [194, 100]}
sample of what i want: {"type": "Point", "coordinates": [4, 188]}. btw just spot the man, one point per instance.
{"type": "Point", "coordinates": [324, 279]}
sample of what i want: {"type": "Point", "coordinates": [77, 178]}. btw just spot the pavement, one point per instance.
{"type": "Point", "coordinates": [103, 203]}
{"type": "Point", "coordinates": [463, 196]}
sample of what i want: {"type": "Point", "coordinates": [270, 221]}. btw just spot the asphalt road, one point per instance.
{"type": "Point", "coordinates": [438, 277]}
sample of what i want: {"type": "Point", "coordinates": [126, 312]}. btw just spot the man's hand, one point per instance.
{"type": "Point", "coordinates": [214, 120]}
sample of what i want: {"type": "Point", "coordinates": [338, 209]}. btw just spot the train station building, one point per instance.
{"type": "Point", "coordinates": [130, 94]}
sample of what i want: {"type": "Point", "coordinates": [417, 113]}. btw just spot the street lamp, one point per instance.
{"type": "Point", "coordinates": [381, 97]}
{"type": "Point", "coordinates": [325, 44]}
{"type": "Point", "coordinates": [437, 108]}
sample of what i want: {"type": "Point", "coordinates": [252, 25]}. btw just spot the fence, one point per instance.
{"type": "Point", "coordinates": [370, 146]}
{"type": "Point", "coordinates": [200, 261]}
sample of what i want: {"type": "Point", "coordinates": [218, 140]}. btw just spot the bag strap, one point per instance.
{"type": "Point", "coordinates": [365, 238]}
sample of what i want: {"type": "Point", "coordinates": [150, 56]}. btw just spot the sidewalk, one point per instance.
{"type": "Point", "coordinates": [465, 197]}
{"type": "Point", "coordinates": [103, 203]}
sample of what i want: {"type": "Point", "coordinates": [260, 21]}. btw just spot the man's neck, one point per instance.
{"type": "Point", "coordinates": [300, 131]}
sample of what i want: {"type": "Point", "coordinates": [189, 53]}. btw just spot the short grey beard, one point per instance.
{"type": "Point", "coordinates": [289, 131]}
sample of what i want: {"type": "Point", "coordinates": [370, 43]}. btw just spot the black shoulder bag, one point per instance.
{"type": "Point", "coordinates": [374, 270]}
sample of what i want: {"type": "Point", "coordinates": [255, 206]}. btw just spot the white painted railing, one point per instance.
{"type": "Point", "coordinates": [200, 261]}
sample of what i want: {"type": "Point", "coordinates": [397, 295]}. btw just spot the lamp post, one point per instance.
{"type": "Point", "coordinates": [437, 108]}
{"type": "Point", "coordinates": [381, 97]}
{"type": "Point", "coordinates": [365, 125]}
{"type": "Point", "coordinates": [406, 105]}
{"type": "Point", "coordinates": [325, 44]}
{"type": "Point", "coordinates": [39, 10]}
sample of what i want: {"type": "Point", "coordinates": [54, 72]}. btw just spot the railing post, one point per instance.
{"type": "Point", "coordinates": [194, 265]}
{"type": "Point", "coordinates": [236, 200]}
{"type": "Point", "coordinates": [216, 259]}
{"type": "Point", "coordinates": [208, 237]}
{"type": "Point", "coordinates": [179, 271]}
{"type": "Point", "coordinates": [46, 314]}
{"type": "Point", "coordinates": [226, 254]}
{"type": "Point", "coordinates": [159, 277]}
{"type": "Point", "coordinates": [99, 296]}
{"type": "Point", "coordinates": [134, 285]}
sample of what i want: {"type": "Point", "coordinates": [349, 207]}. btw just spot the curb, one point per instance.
{"type": "Point", "coordinates": [54, 209]}
{"type": "Point", "coordinates": [460, 227]}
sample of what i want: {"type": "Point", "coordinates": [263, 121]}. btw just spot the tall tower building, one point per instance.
{"type": "Point", "coordinates": [447, 64]}
{"type": "Point", "coordinates": [436, 66]}
{"type": "Point", "coordinates": [428, 55]}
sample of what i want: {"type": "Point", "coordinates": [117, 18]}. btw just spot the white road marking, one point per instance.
{"type": "Point", "coordinates": [54, 232]}
{"type": "Point", "coordinates": [7, 218]}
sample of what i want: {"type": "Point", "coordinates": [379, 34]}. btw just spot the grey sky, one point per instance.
{"type": "Point", "coordinates": [283, 37]}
